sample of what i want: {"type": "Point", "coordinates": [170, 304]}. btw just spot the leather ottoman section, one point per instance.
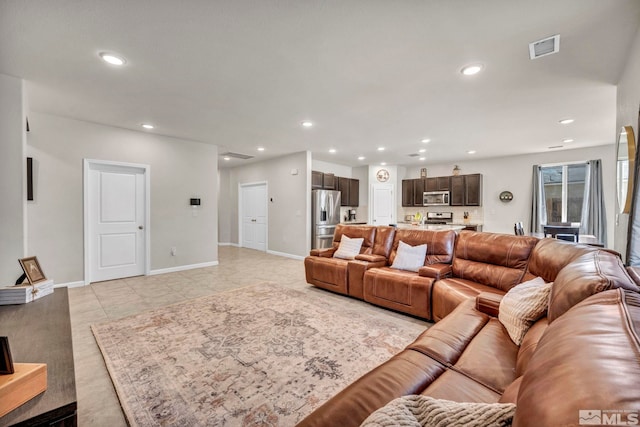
{"type": "Point", "coordinates": [455, 386]}
{"type": "Point", "coordinates": [446, 340]}
{"type": "Point", "coordinates": [399, 290]}
{"type": "Point", "coordinates": [356, 270]}
{"type": "Point", "coordinates": [408, 372]}
{"type": "Point", "coordinates": [447, 294]}
{"type": "Point", "coordinates": [329, 273]}
{"type": "Point", "coordinates": [586, 359]}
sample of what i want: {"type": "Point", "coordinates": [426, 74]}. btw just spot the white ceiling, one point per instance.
{"type": "Point", "coordinates": [244, 73]}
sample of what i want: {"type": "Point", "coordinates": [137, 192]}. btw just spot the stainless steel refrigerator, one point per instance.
{"type": "Point", "coordinates": [325, 215]}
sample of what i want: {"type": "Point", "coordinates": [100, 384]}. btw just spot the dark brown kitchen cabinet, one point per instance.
{"type": "Point", "coordinates": [349, 191]}
{"type": "Point", "coordinates": [354, 192]}
{"type": "Point", "coordinates": [466, 190]}
{"type": "Point", "coordinates": [316, 180]}
{"type": "Point", "coordinates": [473, 190]}
{"type": "Point", "coordinates": [418, 189]}
{"type": "Point", "coordinates": [328, 181]}
{"type": "Point", "coordinates": [457, 191]}
{"type": "Point", "coordinates": [430, 184]}
{"type": "Point", "coordinates": [442, 183]}
{"type": "Point", "coordinates": [407, 192]}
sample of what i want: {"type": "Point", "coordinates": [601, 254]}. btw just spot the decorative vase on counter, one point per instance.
{"type": "Point", "coordinates": [466, 217]}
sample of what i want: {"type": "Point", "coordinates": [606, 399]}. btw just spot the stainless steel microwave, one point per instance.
{"type": "Point", "coordinates": [435, 198]}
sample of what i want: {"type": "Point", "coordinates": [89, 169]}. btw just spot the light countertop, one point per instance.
{"type": "Point", "coordinates": [435, 227]}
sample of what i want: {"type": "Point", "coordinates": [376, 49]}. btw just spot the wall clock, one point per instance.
{"type": "Point", "coordinates": [382, 175]}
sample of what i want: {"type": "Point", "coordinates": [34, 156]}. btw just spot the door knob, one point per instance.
{"type": "Point", "coordinates": [140, 227]}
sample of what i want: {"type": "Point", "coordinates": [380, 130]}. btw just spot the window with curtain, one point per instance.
{"type": "Point", "coordinates": [569, 193]}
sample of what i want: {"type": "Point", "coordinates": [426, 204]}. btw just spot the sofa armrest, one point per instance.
{"type": "Point", "coordinates": [325, 252]}
{"type": "Point", "coordinates": [371, 258]}
{"type": "Point", "coordinates": [634, 272]}
{"type": "Point", "coordinates": [435, 271]}
{"type": "Point", "coordinates": [488, 303]}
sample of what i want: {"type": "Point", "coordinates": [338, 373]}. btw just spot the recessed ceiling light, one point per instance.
{"type": "Point", "coordinates": [422, 150]}
{"type": "Point", "coordinates": [471, 152]}
{"type": "Point", "coordinates": [147, 126]}
{"type": "Point", "coordinates": [227, 158]}
{"type": "Point", "coordinates": [426, 140]}
{"type": "Point", "coordinates": [260, 148]}
{"type": "Point", "coordinates": [332, 150]}
{"type": "Point", "coordinates": [380, 148]}
{"type": "Point", "coordinates": [422, 158]}
{"type": "Point", "coordinates": [567, 140]}
{"type": "Point", "coordinates": [470, 70]}
{"type": "Point", "coordinates": [383, 164]}
{"type": "Point", "coordinates": [112, 59]}
{"type": "Point", "coordinates": [361, 158]}
{"type": "Point", "coordinates": [565, 121]}
{"type": "Point", "coordinates": [307, 124]}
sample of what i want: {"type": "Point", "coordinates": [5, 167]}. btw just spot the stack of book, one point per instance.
{"type": "Point", "coordinates": [22, 294]}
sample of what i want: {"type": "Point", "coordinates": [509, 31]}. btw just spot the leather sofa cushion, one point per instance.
{"type": "Point", "coordinates": [385, 235]}
{"type": "Point", "coordinates": [529, 344]}
{"type": "Point", "coordinates": [400, 290]}
{"type": "Point", "coordinates": [457, 387]}
{"type": "Point", "coordinates": [492, 259]}
{"type": "Point", "coordinates": [329, 273]}
{"type": "Point", "coordinates": [440, 244]}
{"type": "Point", "coordinates": [588, 274]}
{"type": "Point", "coordinates": [549, 256]}
{"type": "Point", "coordinates": [408, 372]}
{"type": "Point", "coordinates": [586, 359]}
{"type": "Point", "coordinates": [448, 293]}
{"type": "Point", "coordinates": [366, 232]}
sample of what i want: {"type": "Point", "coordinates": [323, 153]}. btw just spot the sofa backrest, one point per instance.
{"type": "Point", "coordinates": [440, 244]}
{"type": "Point", "coordinates": [587, 360]}
{"type": "Point", "coordinates": [588, 274]}
{"type": "Point", "coordinates": [497, 260]}
{"type": "Point", "coordinates": [384, 240]}
{"type": "Point", "coordinates": [367, 232]}
{"type": "Point", "coordinates": [551, 255]}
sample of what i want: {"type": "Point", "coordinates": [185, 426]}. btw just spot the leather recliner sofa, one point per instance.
{"type": "Point", "coordinates": [581, 356]}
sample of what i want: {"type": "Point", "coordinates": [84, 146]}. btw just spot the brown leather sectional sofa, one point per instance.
{"type": "Point", "coordinates": [584, 355]}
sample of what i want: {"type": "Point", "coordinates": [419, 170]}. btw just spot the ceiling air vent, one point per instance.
{"type": "Point", "coordinates": [544, 47]}
{"type": "Point", "coordinates": [413, 155]}
{"type": "Point", "coordinates": [236, 155]}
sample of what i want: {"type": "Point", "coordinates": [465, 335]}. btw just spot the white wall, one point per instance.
{"type": "Point", "coordinates": [180, 170]}
{"type": "Point", "coordinates": [289, 201]}
{"type": "Point", "coordinates": [334, 168]}
{"type": "Point", "coordinates": [12, 178]}
{"type": "Point", "coordinates": [628, 101]}
{"type": "Point", "coordinates": [515, 173]}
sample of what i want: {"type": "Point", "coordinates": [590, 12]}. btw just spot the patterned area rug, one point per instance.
{"type": "Point", "coordinates": [265, 355]}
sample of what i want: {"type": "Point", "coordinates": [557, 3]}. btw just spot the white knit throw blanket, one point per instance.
{"type": "Point", "coordinates": [423, 411]}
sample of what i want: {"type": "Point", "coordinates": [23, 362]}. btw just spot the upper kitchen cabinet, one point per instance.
{"type": "Point", "coordinates": [418, 189]}
{"type": "Point", "coordinates": [407, 192]}
{"type": "Point", "coordinates": [438, 183]}
{"type": "Point", "coordinates": [349, 191]}
{"type": "Point", "coordinates": [328, 181]}
{"type": "Point", "coordinates": [316, 180]}
{"type": "Point", "coordinates": [466, 190]}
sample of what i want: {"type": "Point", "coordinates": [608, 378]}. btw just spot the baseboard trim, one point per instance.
{"type": "Point", "coordinates": [286, 255]}
{"type": "Point", "coordinates": [182, 268]}
{"type": "Point", "coordinates": [78, 284]}
{"type": "Point", "coordinates": [228, 244]}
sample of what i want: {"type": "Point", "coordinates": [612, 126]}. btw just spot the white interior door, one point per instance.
{"type": "Point", "coordinates": [383, 205]}
{"type": "Point", "coordinates": [254, 216]}
{"type": "Point", "coordinates": [117, 218]}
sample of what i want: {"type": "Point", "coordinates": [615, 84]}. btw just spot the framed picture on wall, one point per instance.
{"type": "Point", "coordinates": [32, 270]}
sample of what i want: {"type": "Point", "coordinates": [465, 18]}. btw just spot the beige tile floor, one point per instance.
{"type": "Point", "coordinates": [98, 404]}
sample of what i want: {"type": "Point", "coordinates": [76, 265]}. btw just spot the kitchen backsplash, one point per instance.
{"type": "Point", "coordinates": [475, 213]}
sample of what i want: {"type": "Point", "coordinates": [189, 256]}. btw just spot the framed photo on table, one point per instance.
{"type": "Point", "coordinates": [32, 270]}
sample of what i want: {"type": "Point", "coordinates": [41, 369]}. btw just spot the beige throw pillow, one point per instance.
{"type": "Point", "coordinates": [523, 305]}
{"type": "Point", "coordinates": [348, 248]}
{"type": "Point", "coordinates": [409, 257]}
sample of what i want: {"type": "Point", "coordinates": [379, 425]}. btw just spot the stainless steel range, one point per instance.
{"type": "Point", "coordinates": [439, 218]}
